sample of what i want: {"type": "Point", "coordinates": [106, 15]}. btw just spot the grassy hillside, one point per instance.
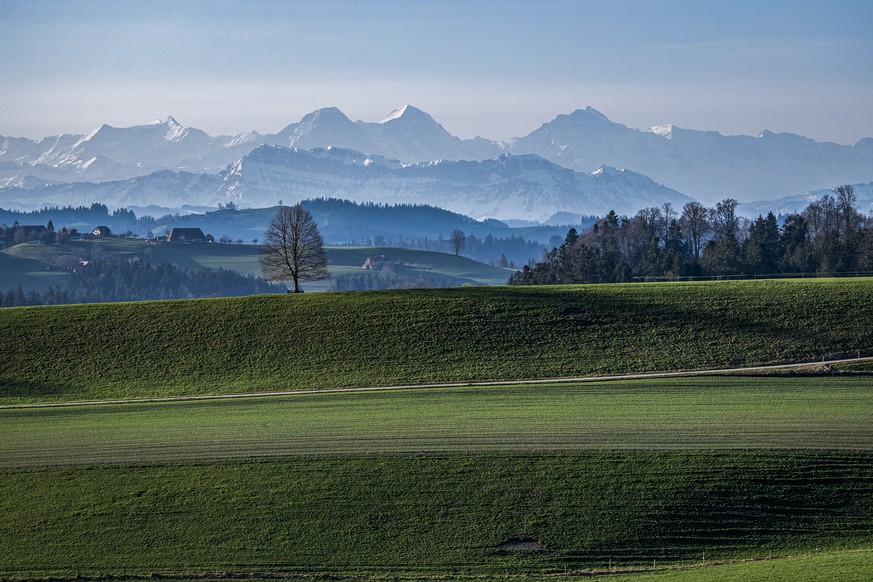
{"type": "Point", "coordinates": [29, 274]}
{"type": "Point", "coordinates": [431, 513]}
{"type": "Point", "coordinates": [364, 339]}
{"type": "Point", "coordinates": [851, 566]}
{"type": "Point", "coordinates": [428, 483]}
{"type": "Point", "coordinates": [242, 258]}
{"type": "Point", "coordinates": [480, 482]}
{"type": "Point", "coordinates": [520, 482]}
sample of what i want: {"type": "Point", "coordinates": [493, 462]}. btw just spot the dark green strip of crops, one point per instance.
{"type": "Point", "coordinates": [690, 413]}
{"type": "Point", "coordinates": [432, 513]}
{"type": "Point", "coordinates": [270, 343]}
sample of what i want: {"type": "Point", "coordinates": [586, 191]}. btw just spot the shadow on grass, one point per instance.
{"type": "Point", "coordinates": [12, 392]}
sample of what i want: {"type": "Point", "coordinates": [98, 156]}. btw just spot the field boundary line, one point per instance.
{"type": "Point", "coordinates": [564, 380]}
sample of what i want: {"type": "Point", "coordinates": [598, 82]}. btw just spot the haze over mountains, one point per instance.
{"type": "Point", "coordinates": [526, 187]}
{"type": "Point", "coordinates": [394, 160]}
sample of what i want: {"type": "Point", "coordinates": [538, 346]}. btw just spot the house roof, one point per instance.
{"type": "Point", "coordinates": [186, 234]}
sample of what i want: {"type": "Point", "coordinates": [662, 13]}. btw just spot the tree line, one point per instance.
{"type": "Point", "coordinates": [498, 251]}
{"type": "Point", "coordinates": [830, 236]}
{"type": "Point", "coordinates": [122, 279]}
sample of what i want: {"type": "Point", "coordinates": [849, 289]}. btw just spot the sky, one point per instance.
{"type": "Point", "coordinates": [497, 69]}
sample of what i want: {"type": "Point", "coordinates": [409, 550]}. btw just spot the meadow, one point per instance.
{"type": "Point", "coordinates": [711, 413]}
{"type": "Point", "coordinates": [519, 482]}
{"type": "Point", "coordinates": [431, 483]}
{"type": "Point", "coordinates": [21, 264]}
{"type": "Point", "coordinates": [274, 343]}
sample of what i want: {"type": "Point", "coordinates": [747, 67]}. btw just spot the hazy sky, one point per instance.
{"type": "Point", "coordinates": [493, 68]}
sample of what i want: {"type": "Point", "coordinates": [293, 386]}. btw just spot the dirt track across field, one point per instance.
{"type": "Point", "coordinates": [578, 379]}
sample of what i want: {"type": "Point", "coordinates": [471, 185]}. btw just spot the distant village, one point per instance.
{"type": "Point", "coordinates": [46, 234]}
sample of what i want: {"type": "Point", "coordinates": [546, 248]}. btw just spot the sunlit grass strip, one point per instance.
{"type": "Point", "coordinates": [673, 414]}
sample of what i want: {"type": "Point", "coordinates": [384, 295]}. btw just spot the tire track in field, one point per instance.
{"type": "Point", "coordinates": [567, 380]}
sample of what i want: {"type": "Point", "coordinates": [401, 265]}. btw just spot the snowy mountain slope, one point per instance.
{"type": "Point", "coordinates": [407, 134]}
{"type": "Point", "coordinates": [324, 128]}
{"type": "Point", "coordinates": [163, 188]}
{"type": "Point", "coordinates": [411, 135]}
{"type": "Point", "coordinates": [113, 153]}
{"type": "Point", "coordinates": [508, 186]}
{"type": "Point", "coordinates": [704, 164]}
{"type": "Point", "coordinates": [796, 203]}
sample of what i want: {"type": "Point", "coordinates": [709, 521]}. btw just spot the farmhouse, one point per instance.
{"type": "Point", "coordinates": [188, 235]}
{"type": "Point", "coordinates": [374, 262]}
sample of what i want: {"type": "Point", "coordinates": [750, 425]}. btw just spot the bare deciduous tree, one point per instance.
{"type": "Point", "coordinates": [293, 249]}
{"type": "Point", "coordinates": [848, 216]}
{"type": "Point", "coordinates": [459, 241]}
{"type": "Point", "coordinates": [694, 223]}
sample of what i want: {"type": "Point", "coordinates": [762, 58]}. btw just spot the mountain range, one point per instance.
{"type": "Point", "coordinates": [704, 165]}
{"type": "Point", "coordinates": [509, 186]}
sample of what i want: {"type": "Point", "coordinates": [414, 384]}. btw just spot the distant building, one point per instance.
{"type": "Point", "coordinates": [102, 231]}
{"type": "Point", "coordinates": [375, 262]}
{"type": "Point", "coordinates": [188, 235]}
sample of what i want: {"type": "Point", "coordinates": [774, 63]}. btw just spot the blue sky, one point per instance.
{"type": "Point", "coordinates": [496, 69]}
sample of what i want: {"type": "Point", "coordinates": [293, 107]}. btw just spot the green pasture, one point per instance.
{"type": "Point", "coordinates": [522, 482]}
{"type": "Point", "coordinates": [434, 514]}
{"type": "Point", "coordinates": [29, 274]}
{"type": "Point", "coordinates": [693, 413]}
{"type": "Point", "coordinates": [428, 483]}
{"type": "Point", "coordinates": [244, 259]}
{"type": "Point", "coordinates": [851, 566]}
{"type": "Point", "coordinates": [330, 340]}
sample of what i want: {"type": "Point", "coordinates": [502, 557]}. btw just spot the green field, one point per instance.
{"type": "Point", "coordinates": [692, 413]}
{"type": "Point", "coordinates": [433, 514]}
{"type": "Point", "coordinates": [29, 274]}
{"type": "Point", "coordinates": [704, 477]}
{"type": "Point", "coordinates": [270, 343]}
{"type": "Point", "coordinates": [242, 258]}
{"type": "Point", "coordinates": [431, 482]}
{"type": "Point", "coordinates": [854, 566]}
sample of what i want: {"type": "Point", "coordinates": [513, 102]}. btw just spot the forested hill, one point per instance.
{"type": "Point", "coordinates": [340, 221]}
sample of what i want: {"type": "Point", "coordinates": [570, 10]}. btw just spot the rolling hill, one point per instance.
{"type": "Point", "coordinates": [330, 340]}
{"type": "Point", "coordinates": [24, 264]}
{"type": "Point", "coordinates": [546, 481]}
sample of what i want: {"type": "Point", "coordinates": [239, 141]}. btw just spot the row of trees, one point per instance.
{"type": "Point", "coordinates": [829, 236]}
{"type": "Point", "coordinates": [501, 251]}
{"type": "Point", "coordinates": [122, 279]}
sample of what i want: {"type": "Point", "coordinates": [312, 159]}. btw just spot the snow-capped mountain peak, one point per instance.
{"type": "Point", "coordinates": [326, 114]}
{"type": "Point", "coordinates": [396, 114]}
{"type": "Point", "coordinates": [605, 170]}
{"type": "Point", "coordinates": [665, 131]}
{"type": "Point", "coordinates": [589, 113]}
{"type": "Point", "coordinates": [407, 113]}
{"type": "Point", "coordinates": [175, 131]}
{"type": "Point", "coordinates": [705, 163]}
